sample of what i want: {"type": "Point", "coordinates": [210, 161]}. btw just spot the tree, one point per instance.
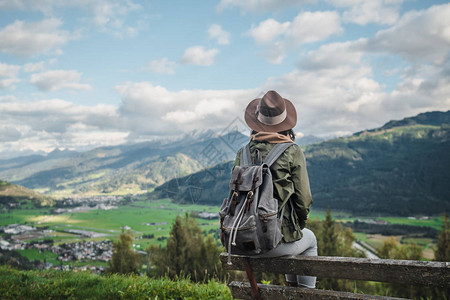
{"type": "Point", "coordinates": [188, 253]}
{"type": "Point", "coordinates": [442, 252]}
{"type": "Point", "coordinates": [124, 259]}
{"type": "Point", "coordinates": [328, 240]}
{"type": "Point", "coordinates": [392, 249]}
{"type": "Point", "coordinates": [335, 240]}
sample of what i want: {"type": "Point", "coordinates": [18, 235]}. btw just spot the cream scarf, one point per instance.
{"type": "Point", "coordinates": [270, 137]}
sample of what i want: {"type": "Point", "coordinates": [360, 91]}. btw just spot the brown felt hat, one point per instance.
{"type": "Point", "coordinates": [271, 113]}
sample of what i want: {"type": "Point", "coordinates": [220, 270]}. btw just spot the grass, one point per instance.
{"type": "Point", "coordinates": [435, 222]}
{"type": "Point", "coordinates": [110, 222]}
{"type": "Point", "coordinates": [34, 254]}
{"type": "Point", "coordinates": [20, 216]}
{"type": "Point", "coordinates": [53, 284]}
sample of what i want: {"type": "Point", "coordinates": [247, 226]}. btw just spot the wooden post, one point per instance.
{"type": "Point", "coordinates": [252, 280]}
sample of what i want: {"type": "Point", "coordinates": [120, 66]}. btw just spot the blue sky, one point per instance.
{"type": "Point", "coordinates": [82, 74]}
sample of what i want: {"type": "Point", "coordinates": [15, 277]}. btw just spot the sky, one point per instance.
{"type": "Point", "coordinates": [88, 73]}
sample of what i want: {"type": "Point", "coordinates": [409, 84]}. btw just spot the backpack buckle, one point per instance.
{"type": "Point", "coordinates": [249, 201]}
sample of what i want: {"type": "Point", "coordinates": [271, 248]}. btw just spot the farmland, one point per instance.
{"type": "Point", "coordinates": [150, 222]}
{"type": "Point", "coordinates": [142, 217]}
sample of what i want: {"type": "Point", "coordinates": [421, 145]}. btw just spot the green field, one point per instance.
{"type": "Point", "coordinates": [435, 222]}
{"type": "Point", "coordinates": [111, 222]}
{"type": "Point", "coordinates": [35, 254]}
{"type": "Point", "coordinates": [162, 212]}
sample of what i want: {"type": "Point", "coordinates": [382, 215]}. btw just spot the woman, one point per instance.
{"type": "Point", "coordinates": [272, 118]}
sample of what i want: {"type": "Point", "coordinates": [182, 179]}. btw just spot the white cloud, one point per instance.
{"type": "Point", "coordinates": [197, 55]}
{"type": "Point", "coordinates": [153, 110]}
{"type": "Point", "coordinates": [331, 56]}
{"type": "Point", "coordinates": [336, 83]}
{"type": "Point", "coordinates": [59, 79]}
{"type": "Point", "coordinates": [427, 88]}
{"type": "Point", "coordinates": [276, 53]}
{"type": "Point", "coordinates": [43, 125]}
{"type": "Point", "coordinates": [28, 39]}
{"type": "Point", "coordinates": [34, 67]}
{"type": "Point", "coordinates": [107, 15]}
{"type": "Point", "coordinates": [8, 75]}
{"type": "Point", "coordinates": [332, 100]}
{"type": "Point", "coordinates": [268, 30]}
{"type": "Point", "coordinates": [111, 16]}
{"type": "Point", "coordinates": [13, 4]}
{"type": "Point", "coordinates": [385, 12]}
{"type": "Point", "coordinates": [203, 108]}
{"type": "Point", "coordinates": [307, 27]}
{"type": "Point", "coordinates": [216, 32]}
{"type": "Point", "coordinates": [261, 5]}
{"type": "Point", "coordinates": [162, 66]}
{"type": "Point", "coordinates": [9, 133]}
{"type": "Point", "coordinates": [334, 90]}
{"type": "Point", "coordinates": [418, 35]}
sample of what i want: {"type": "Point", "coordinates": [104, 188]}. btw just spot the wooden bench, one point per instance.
{"type": "Point", "coordinates": [383, 270]}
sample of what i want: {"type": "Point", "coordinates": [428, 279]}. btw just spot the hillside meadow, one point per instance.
{"type": "Point", "coordinates": [51, 284]}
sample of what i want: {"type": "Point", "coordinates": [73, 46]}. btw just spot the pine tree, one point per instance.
{"type": "Point", "coordinates": [328, 240]}
{"type": "Point", "coordinates": [442, 252]}
{"type": "Point", "coordinates": [124, 259]}
{"type": "Point", "coordinates": [188, 253]}
{"type": "Point", "coordinates": [334, 240]}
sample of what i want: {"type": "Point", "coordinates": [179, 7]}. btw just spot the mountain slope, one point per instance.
{"type": "Point", "coordinates": [402, 171]}
{"type": "Point", "coordinates": [402, 168]}
{"type": "Point", "coordinates": [136, 167]}
{"type": "Point", "coordinates": [12, 195]}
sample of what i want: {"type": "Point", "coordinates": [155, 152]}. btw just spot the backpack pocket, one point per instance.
{"type": "Point", "coordinates": [222, 213]}
{"type": "Point", "coordinates": [270, 223]}
{"type": "Point", "coordinates": [271, 230]}
{"type": "Point", "coordinates": [245, 236]}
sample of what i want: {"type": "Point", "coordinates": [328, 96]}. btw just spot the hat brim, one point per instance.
{"type": "Point", "coordinates": [288, 123]}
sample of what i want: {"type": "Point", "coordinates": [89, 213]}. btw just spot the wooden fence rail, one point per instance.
{"type": "Point", "coordinates": [383, 270]}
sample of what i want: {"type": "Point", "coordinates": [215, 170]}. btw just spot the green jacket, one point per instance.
{"type": "Point", "coordinates": [290, 181]}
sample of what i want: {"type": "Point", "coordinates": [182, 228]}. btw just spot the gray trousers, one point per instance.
{"type": "Point", "coordinates": [306, 246]}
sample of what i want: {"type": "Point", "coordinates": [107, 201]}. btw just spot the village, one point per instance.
{"type": "Point", "coordinates": [83, 251]}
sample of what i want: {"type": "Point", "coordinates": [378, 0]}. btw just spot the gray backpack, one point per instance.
{"type": "Point", "coordinates": [249, 222]}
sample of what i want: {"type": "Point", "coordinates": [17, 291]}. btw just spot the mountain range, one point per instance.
{"type": "Point", "coordinates": [137, 167]}
{"type": "Point", "coordinates": [124, 168]}
{"type": "Point", "coordinates": [401, 168]}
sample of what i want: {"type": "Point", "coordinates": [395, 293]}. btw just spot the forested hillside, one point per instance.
{"type": "Point", "coordinates": [12, 196]}
{"type": "Point", "coordinates": [402, 168]}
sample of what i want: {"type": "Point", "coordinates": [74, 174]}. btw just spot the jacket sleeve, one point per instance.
{"type": "Point", "coordinates": [302, 198]}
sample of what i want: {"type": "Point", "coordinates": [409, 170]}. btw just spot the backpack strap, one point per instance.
{"type": "Point", "coordinates": [246, 157]}
{"type": "Point", "coordinates": [276, 151]}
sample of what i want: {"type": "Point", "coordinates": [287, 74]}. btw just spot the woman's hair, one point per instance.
{"type": "Point", "coordinates": [289, 133]}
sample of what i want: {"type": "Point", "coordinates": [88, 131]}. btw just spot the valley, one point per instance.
{"type": "Point", "coordinates": [150, 222]}
{"type": "Point", "coordinates": [386, 182]}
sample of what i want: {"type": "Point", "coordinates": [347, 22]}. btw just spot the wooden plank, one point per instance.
{"type": "Point", "coordinates": [385, 270]}
{"type": "Point", "coordinates": [242, 290]}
